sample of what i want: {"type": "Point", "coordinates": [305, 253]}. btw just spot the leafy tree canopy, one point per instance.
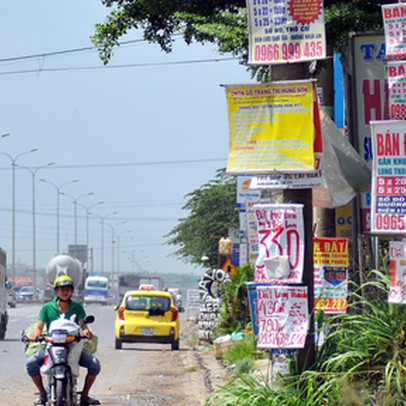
{"type": "Point", "coordinates": [212, 213]}
{"type": "Point", "coordinates": [221, 22]}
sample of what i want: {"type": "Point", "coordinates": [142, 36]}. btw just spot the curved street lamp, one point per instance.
{"type": "Point", "coordinates": [33, 172]}
{"type": "Point", "coordinates": [102, 218]}
{"type": "Point", "coordinates": [75, 204]}
{"type": "Point", "coordinates": [113, 228]}
{"type": "Point", "coordinates": [88, 212]}
{"type": "Point", "coordinates": [58, 189]}
{"type": "Point", "coordinates": [13, 161]}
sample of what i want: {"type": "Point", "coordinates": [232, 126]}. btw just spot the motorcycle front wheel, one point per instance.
{"type": "Point", "coordinates": [61, 392]}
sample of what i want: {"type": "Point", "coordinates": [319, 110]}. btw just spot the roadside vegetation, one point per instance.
{"type": "Point", "coordinates": [362, 362]}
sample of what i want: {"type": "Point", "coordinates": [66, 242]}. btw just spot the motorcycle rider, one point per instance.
{"type": "Point", "coordinates": [50, 311]}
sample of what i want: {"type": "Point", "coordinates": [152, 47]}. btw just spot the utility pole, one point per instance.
{"type": "Point", "coordinates": [306, 357]}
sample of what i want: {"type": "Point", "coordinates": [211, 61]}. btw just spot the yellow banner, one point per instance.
{"type": "Point", "coordinates": [271, 127]}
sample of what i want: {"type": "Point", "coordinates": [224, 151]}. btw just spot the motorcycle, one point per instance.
{"type": "Point", "coordinates": [61, 363]}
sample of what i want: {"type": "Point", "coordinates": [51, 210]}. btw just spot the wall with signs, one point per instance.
{"type": "Point", "coordinates": [209, 290]}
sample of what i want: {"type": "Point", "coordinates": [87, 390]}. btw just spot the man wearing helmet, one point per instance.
{"type": "Point", "coordinates": [50, 311]}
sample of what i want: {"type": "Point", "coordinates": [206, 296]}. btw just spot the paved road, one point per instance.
{"type": "Point", "coordinates": [139, 374]}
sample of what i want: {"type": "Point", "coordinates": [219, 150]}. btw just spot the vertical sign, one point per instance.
{"type": "Point", "coordinates": [262, 137]}
{"type": "Point", "coordinates": [282, 31]}
{"type": "Point", "coordinates": [394, 23]}
{"type": "Point", "coordinates": [330, 258]}
{"type": "Point", "coordinates": [283, 316]}
{"type": "Point", "coordinates": [281, 241]}
{"type": "Point", "coordinates": [397, 265]}
{"type": "Point", "coordinates": [388, 209]}
{"type": "Point", "coordinates": [396, 71]}
{"type": "Point", "coordinates": [370, 101]}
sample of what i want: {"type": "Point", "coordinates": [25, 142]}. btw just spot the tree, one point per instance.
{"type": "Point", "coordinates": [213, 212]}
{"type": "Point", "coordinates": [220, 22]}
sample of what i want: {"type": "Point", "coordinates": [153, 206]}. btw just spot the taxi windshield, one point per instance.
{"type": "Point", "coordinates": [147, 302]}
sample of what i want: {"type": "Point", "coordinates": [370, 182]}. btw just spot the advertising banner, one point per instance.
{"type": "Point", "coordinates": [262, 138]}
{"type": "Point", "coordinates": [252, 301]}
{"type": "Point", "coordinates": [330, 258]}
{"type": "Point", "coordinates": [370, 101]}
{"type": "Point", "coordinates": [244, 191]}
{"type": "Point", "coordinates": [394, 23]}
{"type": "Point", "coordinates": [282, 31]}
{"type": "Point", "coordinates": [396, 72]}
{"type": "Point", "coordinates": [281, 241]}
{"type": "Point", "coordinates": [397, 266]}
{"type": "Point", "coordinates": [388, 203]}
{"type": "Point", "coordinates": [283, 316]}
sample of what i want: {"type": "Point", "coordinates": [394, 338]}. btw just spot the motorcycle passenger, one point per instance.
{"type": "Point", "coordinates": [50, 311]}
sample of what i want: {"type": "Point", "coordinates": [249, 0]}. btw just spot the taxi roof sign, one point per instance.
{"type": "Point", "coordinates": [147, 287]}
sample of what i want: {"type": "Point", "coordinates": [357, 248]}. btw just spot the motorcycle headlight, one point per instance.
{"type": "Point", "coordinates": [59, 338]}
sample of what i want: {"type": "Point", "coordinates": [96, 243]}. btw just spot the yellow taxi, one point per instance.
{"type": "Point", "coordinates": [147, 316]}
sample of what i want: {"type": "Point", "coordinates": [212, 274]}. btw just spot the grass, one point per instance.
{"type": "Point", "coordinates": [363, 360]}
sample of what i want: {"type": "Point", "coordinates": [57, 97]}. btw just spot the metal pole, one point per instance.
{"type": "Point", "coordinates": [33, 172]}
{"type": "Point", "coordinates": [102, 218]}
{"type": "Point", "coordinates": [75, 213]}
{"type": "Point", "coordinates": [58, 188]}
{"type": "Point", "coordinates": [13, 207]}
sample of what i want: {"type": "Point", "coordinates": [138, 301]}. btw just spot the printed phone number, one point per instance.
{"type": "Point", "coordinates": [330, 303]}
{"type": "Point", "coordinates": [288, 51]}
{"type": "Point", "coordinates": [390, 222]}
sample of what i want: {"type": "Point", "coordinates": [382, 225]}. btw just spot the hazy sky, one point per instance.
{"type": "Point", "coordinates": [140, 138]}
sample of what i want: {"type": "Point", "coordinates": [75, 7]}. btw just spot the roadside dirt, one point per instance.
{"type": "Point", "coordinates": [142, 374]}
{"type": "Point", "coordinates": [160, 376]}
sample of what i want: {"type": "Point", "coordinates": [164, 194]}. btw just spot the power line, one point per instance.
{"type": "Point", "coordinates": [123, 66]}
{"type": "Point", "coordinates": [123, 164]}
{"type": "Point", "coordinates": [62, 52]}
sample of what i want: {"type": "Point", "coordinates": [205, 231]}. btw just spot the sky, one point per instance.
{"type": "Point", "coordinates": [139, 138]}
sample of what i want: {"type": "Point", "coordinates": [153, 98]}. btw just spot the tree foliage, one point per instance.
{"type": "Point", "coordinates": [220, 22]}
{"type": "Point", "coordinates": [212, 212]}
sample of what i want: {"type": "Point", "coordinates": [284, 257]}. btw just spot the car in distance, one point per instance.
{"type": "Point", "coordinates": [11, 298]}
{"type": "Point", "coordinates": [25, 292]}
{"type": "Point", "coordinates": [147, 316]}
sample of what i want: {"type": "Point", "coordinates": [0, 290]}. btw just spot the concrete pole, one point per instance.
{"type": "Point", "coordinates": [306, 355]}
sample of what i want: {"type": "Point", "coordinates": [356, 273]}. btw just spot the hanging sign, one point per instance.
{"type": "Point", "coordinates": [283, 316]}
{"type": "Point", "coordinates": [397, 266]}
{"type": "Point", "coordinates": [282, 31]}
{"type": "Point", "coordinates": [281, 242]}
{"type": "Point", "coordinates": [388, 203]}
{"type": "Point", "coordinates": [396, 73]}
{"type": "Point", "coordinates": [330, 259]}
{"type": "Point", "coordinates": [394, 23]}
{"type": "Point", "coordinates": [262, 138]}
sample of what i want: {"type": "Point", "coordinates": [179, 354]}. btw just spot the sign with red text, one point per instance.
{"type": "Point", "coordinates": [388, 202]}
{"type": "Point", "coordinates": [394, 23]}
{"type": "Point", "coordinates": [397, 266]}
{"type": "Point", "coordinates": [396, 72]}
{"type": "Point", "coordinates": [370, 101]}
{"type": "Point", "coordinates": [262, 138]}
{"type": "Point", "coordinates": [282, 31]}
{"type": "Point", "coordinates": [281, 243]}
{"type": "Point", "coordinates": [283, 316]}
{"type": "Point", "coordinates": [330, 259]}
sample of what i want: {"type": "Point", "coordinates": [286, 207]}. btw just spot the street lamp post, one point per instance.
{"type": "Point", "coordinates": [13, 161]}
{"type": "Point", "coordinates": [88, 212]}
{"type": "Point", "coordinates": [102, 218]}
{"type": "Point", "coordinates": [58, 189]}
{"type": "Point", "coordinates": [112, 243]}
{"type": "Point", "coordinates": [118, 248]}
{"type": "Point", "coordinates": [33, 172]}
{"type": "Point", "coordinates": [75, 204]}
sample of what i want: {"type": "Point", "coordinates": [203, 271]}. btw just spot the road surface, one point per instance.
{"type": "Point", "coordinates": [139, 374]}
